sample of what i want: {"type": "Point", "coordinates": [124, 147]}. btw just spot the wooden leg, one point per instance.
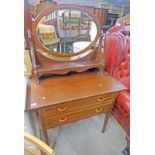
{"type": "Point", "coordinates": [128, 144]}
{"type": "Point", "coordinates": [43, 127]}
{"type": "Point", "coordinates": [45, 134]}
{"type": "Point", "coordinates": [126, 150]}
{"type": "Point", "coordinates": [106, 121]}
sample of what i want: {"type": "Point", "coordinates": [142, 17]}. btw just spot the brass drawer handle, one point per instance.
{"type": "Point", "coordinates": [62, 109]}
{"type": "Point", "coordinates": [98, 110]}
{"type": "Point", "coordinates": [61, 120]}
{"type": "Point", "coordinates": [100, 99]}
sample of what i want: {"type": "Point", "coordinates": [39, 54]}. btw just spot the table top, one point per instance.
{"type": "Point", "coordinates": [61, 89]}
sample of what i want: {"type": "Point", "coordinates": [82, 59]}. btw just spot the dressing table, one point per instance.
{"type": "Point", "coordinates": [67, 83]}
{"type": "Point", "coordinates": [64, 99]}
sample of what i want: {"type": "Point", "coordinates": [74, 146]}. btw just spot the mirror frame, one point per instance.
{"type": "Point", "coordinates": [68, 56]}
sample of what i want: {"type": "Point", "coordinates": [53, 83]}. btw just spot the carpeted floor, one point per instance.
{"type": "Point", "coordinates": [85, 138]}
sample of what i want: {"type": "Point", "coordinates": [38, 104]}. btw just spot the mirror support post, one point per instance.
{"type": "Point", "coordinates": [100, 55]}
{"type": "Point", "coordinates": [29, 40]}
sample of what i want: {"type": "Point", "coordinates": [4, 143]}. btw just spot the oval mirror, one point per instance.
{"type": "Point", "coordinates": [65, 31]}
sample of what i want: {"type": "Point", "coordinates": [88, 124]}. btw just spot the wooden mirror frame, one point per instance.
{"type": "Point", "coordinates": [60, 56]}
{"type": "Point", "coordinates": [45, 65]}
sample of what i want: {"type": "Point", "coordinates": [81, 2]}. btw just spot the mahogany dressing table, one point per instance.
{"type": "Point", "coordinates": [63, 99]}
{"type": "Point", "coordinates": [51, 33]}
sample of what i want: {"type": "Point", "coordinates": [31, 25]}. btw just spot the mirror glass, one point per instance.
{"type": "Point", "coordinates": [66, 30]}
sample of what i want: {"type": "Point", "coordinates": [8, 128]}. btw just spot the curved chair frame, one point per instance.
{"type": "Point", "coordinates": [38, 143]}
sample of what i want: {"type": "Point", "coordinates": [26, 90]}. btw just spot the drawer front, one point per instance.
{"type": "Point", "coordinates": [77, 105]}
{"type": "Point", "coordinates": [78, 115]}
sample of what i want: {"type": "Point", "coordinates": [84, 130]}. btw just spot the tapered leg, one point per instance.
{"type": "Point", "coordinates": [106, 121]}
{"type": "Point", "coordinates": [126, 151]}
{"type": "Point", "coordinates": [43, 127]}
{"type": "Point", "coordinates": [128, 143]}
{"type": "Point", "coordinates": [45, 134]}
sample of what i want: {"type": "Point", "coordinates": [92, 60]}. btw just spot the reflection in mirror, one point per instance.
{"type": "Point", "coordinates": [66, 30]}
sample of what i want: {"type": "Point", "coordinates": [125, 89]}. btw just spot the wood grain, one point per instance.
{"type": "Point", "coordinates": [61, 89]}
{"type": "Point", "coordinates": [76, 105]}
{"type": "Point", "coordinates": [78, 115]}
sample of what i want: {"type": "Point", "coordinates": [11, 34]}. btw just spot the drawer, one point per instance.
{"type": "Point", "coordinates": [77, 104]}
{"type": "Point", "coordinates": [78, 115]}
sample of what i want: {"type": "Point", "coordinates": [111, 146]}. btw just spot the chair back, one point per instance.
{"type": "Point", "coordinates": [122, 71]}
{"type": "Point", "coordinates": [117, 53]}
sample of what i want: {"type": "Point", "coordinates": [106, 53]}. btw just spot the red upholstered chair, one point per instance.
{"type": "Point", "coordinates": [117, 60]}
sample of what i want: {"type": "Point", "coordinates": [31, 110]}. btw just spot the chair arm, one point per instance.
{"type": "Point", "coordinates": [38, 143]}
